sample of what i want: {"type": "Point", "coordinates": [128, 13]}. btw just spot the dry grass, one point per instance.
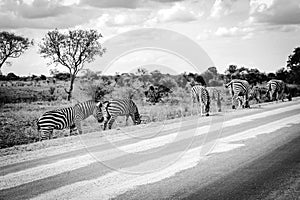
{"type": "Point", "coordinates": [17, 120]}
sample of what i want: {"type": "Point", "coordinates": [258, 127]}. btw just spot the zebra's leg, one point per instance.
{"type": "Point", "coordinates": [133, 119]}
{"type": "Point", "coordinates": [73, 129]}
{"type": "Point", "coordinates": [111, 121]}
{"type": "Point", "coordinates": [78, 126]}
{"type": "Point", "coordinates": [127, 116]}
{"type": "Point", "coordinates": [282, 96]}
{"type": "Point", "coordinates": [246, 100]}
{"type": "Point", "coordinates": [219, 104]}
{"type": "Point", "coordinates": [233, 100]}
{"type": "Point", "coordinates": [201, 107]}
{"type": "Point", "coordinates": [106, 121]}
{"type": "Point", "coordinates": [277, 96]}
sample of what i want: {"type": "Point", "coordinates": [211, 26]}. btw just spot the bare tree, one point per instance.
{"type": "Point", "coordinates": [12, 46]}
{"type": "Point", "coordinates": [71, 50]}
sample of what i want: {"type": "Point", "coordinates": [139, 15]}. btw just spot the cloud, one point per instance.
{"type": "Point", "coordinates": [177, 12]}
{"type": "Point", "coordinates": [37, 9]}
{"type": "Point", "coordinates": [127, 19]}
{"type": "Point", "coordinates": [222, 7]}
{"type": "Point", "coordinates": [111, 3]}
{"type": "Point", "coordinates": [244, 32]}
{"type": "Point", "coordinates": [275, 11]}
{"type": "Point", "coordinates": [44, 14]}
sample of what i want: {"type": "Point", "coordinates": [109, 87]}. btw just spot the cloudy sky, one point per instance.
{"type": "Point", "coordinates": [250, 33]}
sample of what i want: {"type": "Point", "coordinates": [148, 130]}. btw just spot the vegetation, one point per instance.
{"type": "Point", "coordinates": [12, 46]}
{"type": "Point", "coordinates": [71, 50]}
{"type": "Point", "coordinates": [158, 96]}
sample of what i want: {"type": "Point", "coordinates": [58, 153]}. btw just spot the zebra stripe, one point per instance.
{"type": "Point", "coordinates": [200, 96]}
{"type": "Point", "coordinates": [276, 90]}
{"type": "Point", "coordinates": [217, 96]}
{"type": "Point", "coordinates": [120, 107]}
{"type": "Point", "coordinates": [239, 88]}
{"type": "Point", "coordinates": [69, 117]}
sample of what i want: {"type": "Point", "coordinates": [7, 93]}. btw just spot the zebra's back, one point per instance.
{"type": "Point", "coordinates": [238, 88]}
{"type": "Point", "coordinates": [200, 93]}
{"type": "Point", "coordinates": [120, 107]}
{"type": "Point", "coordinates": [69, 117]}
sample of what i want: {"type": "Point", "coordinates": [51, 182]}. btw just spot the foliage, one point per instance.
{"type": "Point", "coordinates": [293, 64]}
{"type": "Point", "coordinates": [12, 46]}
{"type": "Point", "coordinates": [11, 76]}
{"type": "Point", "coordinates": [253, 76]}
{"type": "Point", "coordinates": [156, 93]}
{"type": "Point", "coordinates": [71, 50]}
{"type": "Point", "coordinates": [62, 76]}
{"type": "Point", "coordinates": [43, 77]}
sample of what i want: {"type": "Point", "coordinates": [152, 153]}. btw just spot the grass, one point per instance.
{"type": "Point", "coordinates": [18, 119]}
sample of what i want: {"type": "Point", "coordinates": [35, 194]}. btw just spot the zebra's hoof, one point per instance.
{"type": "Point", "coordinates": [219, 110]}
{"type": "Point", "coordinates": [233, 107]}
{"type": "Point", "coordinates": [207, 114]}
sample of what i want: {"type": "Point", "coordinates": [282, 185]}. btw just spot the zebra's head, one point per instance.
{"type": "Point", "coordinates": [98, 114]}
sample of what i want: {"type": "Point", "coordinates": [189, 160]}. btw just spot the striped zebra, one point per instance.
{"type": "Point", "coordinates": [69, 117]}
{"type": "Point", "coordinates": [120, 107]}
{"type": "Point", "coordinates": [276, 90]}
{"type": "Point", "coordinates": [217, 96]}
{"type": "Point", "coordinates": [200, 96]}
{"type": "Point", "coordinates": [239, 89]}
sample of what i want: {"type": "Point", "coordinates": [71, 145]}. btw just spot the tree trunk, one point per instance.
{"type": "Point", "coordinates": [71, 87]}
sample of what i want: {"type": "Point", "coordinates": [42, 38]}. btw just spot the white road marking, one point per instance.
{"type": "Point", "coordinates": [139, 146]}
{"type": "Point", "coordinates": [44, 171]}
{"type": "Point", "coordinates": [226, 143]}
{"type": "Point", "coordinates": [118, 182]}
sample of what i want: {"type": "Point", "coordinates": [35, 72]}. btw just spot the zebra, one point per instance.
{"type": "Point", "coordinates": [120, 107]}
{"type": "Point", "coordinates": [255, 93]}
{"type": "Point", "coordinates": [69, 117]}
{"type": "Point", "coordinates": [200, 96]}
{"type": "Point", "coordinates": [276, 90]}
{"type": "Point", "coordinates": [239, 88]}
{"type": "Point", "coordinates": [217, 96]}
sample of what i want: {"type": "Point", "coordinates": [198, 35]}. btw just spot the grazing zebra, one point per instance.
{"type": "Point", "coordinates": [69, 117]}
{"type": "Point", "coordinates": [200, 96]}
{"type": "Point", "coordinates": [276, 90]}
{"type": "Point", "coordinates": [217, 96]}
{"type": "Point", "coordinates": [239, 88]}
{"type": "Point", "coordinates": [255, 93]}
{"type": "Point", "coordinates": [120, 107]}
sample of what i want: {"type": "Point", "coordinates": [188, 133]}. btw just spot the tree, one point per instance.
{"type": "Point", "coordinates": [12, 77]}
{"type": "Point", "coordinates": [282, 74]}
{"type": "Point", "coordinates": [43, 77]}
{"type": "Point", "coordinates": [293, 64]}
{"type": "Point", "coordinates": [62, 76]}
{"type": "Point", "coordinates": [12, 46]}
{"type": "Point", "coordinates": [214, 71]}
{"type": "Point", "coordinates": [71, 50]}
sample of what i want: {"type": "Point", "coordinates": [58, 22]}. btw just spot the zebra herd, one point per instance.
{"type": "Point", "coordinates": [71, 117]}
{"type": "Point", "coordinates": [106, 112]}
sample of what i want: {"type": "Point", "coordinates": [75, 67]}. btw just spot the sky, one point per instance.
{"type": "Point", "coordinates": [174, 35]}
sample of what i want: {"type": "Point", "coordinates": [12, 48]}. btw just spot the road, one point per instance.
{"type": "Point", "coordinates": [244, 154]}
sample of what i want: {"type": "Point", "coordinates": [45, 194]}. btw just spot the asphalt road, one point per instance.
{"type": "Point", "coordinates": [244, 154]}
